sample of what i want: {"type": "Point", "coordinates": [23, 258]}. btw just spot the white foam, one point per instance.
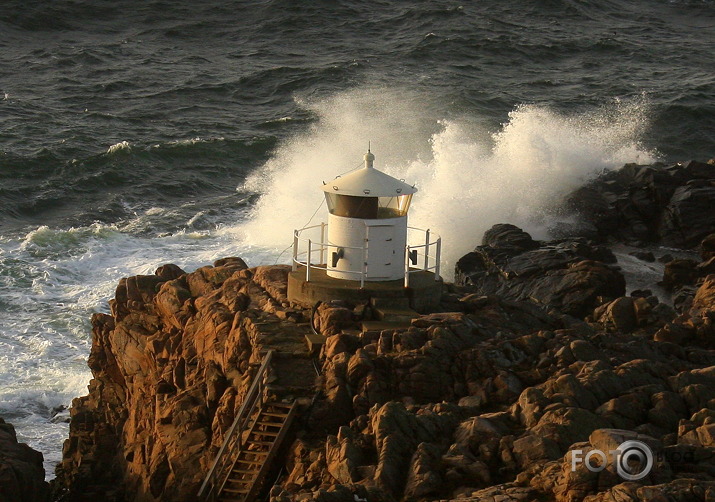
{"type": "Point", "coordinates": [193, 141]}
{"type": "Point", "coordinates": [468, 178]}
{"type": "Point", "coordinates": [122, 145]}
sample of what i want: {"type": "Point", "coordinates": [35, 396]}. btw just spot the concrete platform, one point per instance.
{"type": "Point", "coordinates": [424, 292]}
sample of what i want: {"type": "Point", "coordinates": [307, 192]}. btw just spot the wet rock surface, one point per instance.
{"type": "Point", "coordinates": [568, 275]}
{"type": "Point", "coordinates": [670, 204]}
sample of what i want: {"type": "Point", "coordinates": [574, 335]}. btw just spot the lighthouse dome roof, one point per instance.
{"type": "Point", "coordinates": [368, 182]}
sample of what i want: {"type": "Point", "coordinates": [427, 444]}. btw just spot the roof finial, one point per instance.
{"type": "Point", "coordinates": [369, 157]}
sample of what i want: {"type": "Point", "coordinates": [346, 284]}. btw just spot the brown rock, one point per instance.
{"type": "Point", "coordinates": [342, 458]}
{"type": "Point", "coordinates": [359, 365]}
{"type": "Point", "coordinates": [169, 272]}
{"type": "Point", "coordinates": [679, 272]}
{"type": "Point", "coordinates": [22, 477]}
{"type": "Point", "coordinates": [704, 300]}
{"type": "Point", "coordinates": [530, 450]}
{"type": "Point", "coordinates": [332, 318]}
{"type": "Point", "coordinates": [569, 276]}
{"type": "Point", "coordinates": [274, 280]}
{"type": "Point", "coordinates": [621, 313]}
{"type": "Point", "coordinates": [707, 247]}
{"type": "Point", "coordinates": [567, 426]}
{"type": "Point", "coordinates": [172, 302]}
{"type": "Point", "coordinates": [232, 262]}
{"type": "Point", "coordinates": [397, 434]}
{"type": "Point", "coordinates": [423, 479]}
{"type": "Point", "coordinates": [171, 366]}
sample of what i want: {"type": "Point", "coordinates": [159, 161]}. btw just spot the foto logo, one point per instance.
{"type": "Point", "coordinates": [633, 460]}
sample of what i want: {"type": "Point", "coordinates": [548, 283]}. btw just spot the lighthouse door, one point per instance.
{"type": "Point", "coordinates": [381, 254]}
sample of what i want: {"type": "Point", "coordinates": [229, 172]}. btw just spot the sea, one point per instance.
{"type": "Point", "coordinates": [144, 132]}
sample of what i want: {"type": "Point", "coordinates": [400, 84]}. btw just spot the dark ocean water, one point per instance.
{"type": "Point", "coordinates": [136, 133]}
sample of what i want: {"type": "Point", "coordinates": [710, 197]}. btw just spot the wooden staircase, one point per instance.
{"type": "Point", "coordinates": [250, 445]}
{"type": "Point", "coordinates": [259, 449]}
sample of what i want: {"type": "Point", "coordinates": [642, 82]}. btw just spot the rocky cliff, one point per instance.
{"type": "Point", "coordinates": [535, 359]}
{"type": "Point", "coordinates": [170, 365]}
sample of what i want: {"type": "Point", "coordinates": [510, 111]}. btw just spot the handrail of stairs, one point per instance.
{"type": "Point", "coordinates": [224, 460]}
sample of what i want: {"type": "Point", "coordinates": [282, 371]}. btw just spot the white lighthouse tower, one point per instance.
{"type": "Point", "coordinates": [366, 250]}
{"type": "Point", "coordinates": [367, 224]}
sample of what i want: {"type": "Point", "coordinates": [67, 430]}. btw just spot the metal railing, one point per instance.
{"type": "Point", "coordinates": [321, 246]}
{"type": "Point", "coordinates": [233, 442]}
{"type": "Point", "coordinates": [425, 254]}
{"type": "Point", "coordinates": [428, 253]}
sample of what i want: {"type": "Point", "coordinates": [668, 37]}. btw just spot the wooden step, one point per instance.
{"type": "Point", "coordinates": [249, 470]}
{"type": "Point", "coordinates": [279, 404]}
{"type": "Point", "coordinates": [274, 414]}
{"type": "Point", "coordinates": [232, 490]}
{"type": "Point", "coordinates": [272, 424]}
{"type": "Point", "coordinates": [235, 481]}
{"type": "Point", "coordinates": [261, 443]}
{"type": "Point", "coordinates": [259, 453]}
{"type": "Point", "coordinates": [265, 433]}
{"type": "Point", "coordinates": [254, 459]}
{"type": "Point", "coordinates": [252, 462]}
{"type": "Point", "coordinates": [244, 471]}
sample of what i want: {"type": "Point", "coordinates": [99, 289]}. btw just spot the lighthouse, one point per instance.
{"type": "Point", "coordinates": [367, 224]}
{"type": "Point", "coordinates": [366, 249]}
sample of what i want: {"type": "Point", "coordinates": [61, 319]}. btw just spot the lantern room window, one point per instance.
{"type": "Point", "coordinates": [352, 206]}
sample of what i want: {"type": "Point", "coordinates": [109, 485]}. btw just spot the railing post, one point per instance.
{"type": "Point", "coordinates": [322, 242]}
{"type": "Point", "coordinates": [307, 261]}
{"type": "Point", "coordinates": [437, 258]}
{"type": "Point", "coordinates": [426, 266]}
{"type": "Point", "coordinates": [407, 266]}
{"type": "Point", "coordinates": [261, 390]}
{"type": "Point", "coordinates": [295, 250]}
{"type": "Point", "coordinates": [363, 262]}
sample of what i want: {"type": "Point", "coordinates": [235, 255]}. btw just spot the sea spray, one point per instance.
{"type": "Point", "coordinates": [289, 182]}
{"type": "Point", "coordinates": [468, 178]}
{"type": "Point", "coordinates": [537, 158]}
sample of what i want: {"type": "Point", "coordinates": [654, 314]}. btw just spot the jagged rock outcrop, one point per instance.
{"type": "Point", "coordinates": [170, 365]}
{"type": "Point", "coordinates": [671, 204]}
{"type": "Point", "coordinates": [545, 386]}
{"type": "Point", "coordinates": [568, 275]}
{"type": "Point", "coordinates": [697, 325]}
{"type": "Point", "coordinates": [22, 476]}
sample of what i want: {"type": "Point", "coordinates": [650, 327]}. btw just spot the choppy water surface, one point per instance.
{"type": "Point", "coordinates": [140, 133]}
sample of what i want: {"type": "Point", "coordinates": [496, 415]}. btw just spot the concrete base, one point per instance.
{"type": "Point", "coordinates": [424, 292]}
